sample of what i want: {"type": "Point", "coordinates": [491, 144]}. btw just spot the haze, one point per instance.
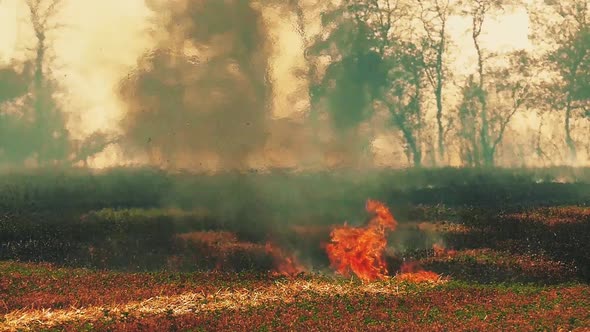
{"type": "Point", "coordinates": [101, 42]}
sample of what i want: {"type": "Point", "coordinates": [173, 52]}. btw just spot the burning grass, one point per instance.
{"type": "Point", "coordinates": [361, 249]}
{"type": "Point", "coordinates": [435, 292]}
{"type": "Point", "coordinates": [470, 287]}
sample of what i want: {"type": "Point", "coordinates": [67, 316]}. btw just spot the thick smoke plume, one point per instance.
{"type": "Point", "coordinates": [200, 98]}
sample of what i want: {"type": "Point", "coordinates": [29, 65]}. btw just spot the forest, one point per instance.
{"type": "Point", "coordinates": [203, 92]}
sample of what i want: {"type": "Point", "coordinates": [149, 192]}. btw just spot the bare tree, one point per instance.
{"type": "Point", "coordinates": [92, 145]}
{"type": "Point", "coordinates": [508, 90]}
{"type": "Point", "coordinates": [41, 13]}
{"type": "Point", "coordinates": [478, 89]}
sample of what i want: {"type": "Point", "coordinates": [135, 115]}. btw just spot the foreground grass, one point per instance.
{"type": "Point", "coordinates": [44, 297]}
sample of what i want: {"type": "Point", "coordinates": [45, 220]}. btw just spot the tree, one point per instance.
{"type": "Point", "coordinates": [434, 17]}
{"type": "Point", "coordinates": [479, 10]}
{"type": "Point", "coordinates": [91, 146]}
{"type": "Point", "coordinates": [403, 98]}
{"type": "Point", "coordinates": [371, 63]}
{"type": "Point", "coordinates": [355, 73]}
{"type": "Point", "coordinates": [32, 125]}
{"type": "Point", "coordinates": [511, 92]}
{"type": "Point", "coordinates": [468, 117]}
{"type": "Point", "coordinates": [476, 93]}
{"type": "Point", "coordinates": [50, 134]}
{"type": "Point", "coordinates": [507, 90]}
{"type": "Point", "coordinates": [563, 28]}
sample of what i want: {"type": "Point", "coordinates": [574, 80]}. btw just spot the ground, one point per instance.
{"type": "Point", "coordinates": [42, 297]}
{"type": "Point", "coordinates": [153, 268]}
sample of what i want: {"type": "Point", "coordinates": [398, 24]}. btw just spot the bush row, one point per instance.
{"type": "Point", "coordinates": [287, 194]}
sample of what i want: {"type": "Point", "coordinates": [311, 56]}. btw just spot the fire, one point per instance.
{"type": "Point", "coordinates": [284, 264]}
{"type": "Point", "coordinates": [413, 272]}
{"type": "Point", "coordinates": [361, 250]}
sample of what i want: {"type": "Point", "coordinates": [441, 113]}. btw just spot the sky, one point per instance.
{"type": "Point", "coordinates": [102, 40]}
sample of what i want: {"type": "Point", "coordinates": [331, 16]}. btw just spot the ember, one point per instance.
{"type": "Point", "coordinates": [361, 250]}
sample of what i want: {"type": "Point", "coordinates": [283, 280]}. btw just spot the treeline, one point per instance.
{"type": "Point", "coordinates": [376, 59]}
{"type": "Point", "coordinates": [394, 57]}
{"type": "Point", "coordinates": [284, 195]}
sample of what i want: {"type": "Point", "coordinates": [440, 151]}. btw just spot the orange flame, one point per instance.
{"type": "Point", "coordinates": [360, 250]}
{"type": "Point", "coordinates": [285, 265]}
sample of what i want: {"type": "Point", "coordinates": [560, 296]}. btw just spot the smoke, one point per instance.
{"type": "Point", "coordinates": [200, 98]}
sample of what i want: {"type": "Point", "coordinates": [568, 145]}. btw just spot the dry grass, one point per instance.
{"type": "Point", "coordinates": [283, 291]}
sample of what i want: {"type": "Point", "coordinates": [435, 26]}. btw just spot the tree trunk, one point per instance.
{"type": "Point", "coordinates": [412, 145]}
{"type": "Point", "coordinates": [417, 156]}
{"type": "Point", "coordinates": [39, 96]}
{"type": "Point", "coordinates": [439, 112]}
{"type": "Point", "coordinates": [568, 135]}
{"type": "Point", "coordinates": [475, 149]}
{"type": "Point", "coordinates": [486, 151]}
{"type": "Point", "coordinates": [438, 92]}
{"type": "Point", "coordinates": [488, 157]}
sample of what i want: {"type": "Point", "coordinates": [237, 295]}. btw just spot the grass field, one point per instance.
{"type": "Point", "coordinates": [103, 261]}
